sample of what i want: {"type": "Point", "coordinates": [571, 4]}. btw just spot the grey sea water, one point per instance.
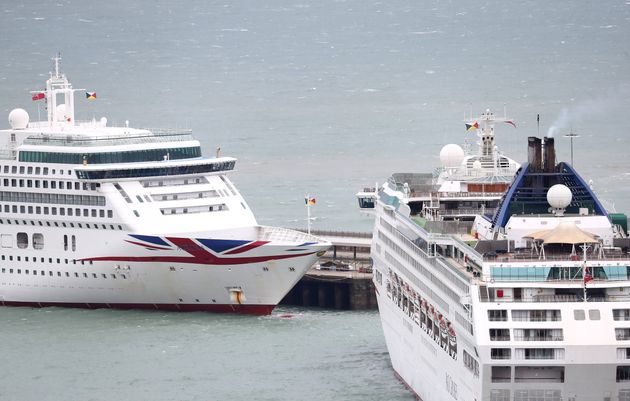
{"type": "Point", "coordinates": [64, 354]}
{"type": "Point", "coordinates": [314, 97]}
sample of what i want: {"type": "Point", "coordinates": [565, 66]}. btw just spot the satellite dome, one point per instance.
{"type": "Point", "coordinates": [60, 112]}
{"type": "Point", "coordinates": [18, 119]}
{"type": "Point", "coordinates": [477, 165]}
{"type": "Point", "coordinates": [451, 155]}
{"type": "Point", "coordinates": [559, 196]}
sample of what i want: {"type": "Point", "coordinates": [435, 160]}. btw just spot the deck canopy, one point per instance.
{"type": "Point", "coordinates": [566, 232]}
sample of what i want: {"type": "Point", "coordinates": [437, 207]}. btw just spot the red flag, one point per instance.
{"type": "Point", "coordinates": [511, 123]}
{"type": "Point", "coordinates": [38, 96]}
{"type": "Point", "coordinates": [587, 275]}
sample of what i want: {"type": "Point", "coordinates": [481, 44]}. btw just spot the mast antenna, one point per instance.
{"type": "Point", "coordinates": [57, 59]}
{"type": "Point", "coordinates": [571, 135]}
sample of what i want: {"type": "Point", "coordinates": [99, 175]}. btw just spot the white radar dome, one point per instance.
{"type": "Point", "coordinates": [60, 112]}
{"type": "Point", "coordinates": [559, 196]}
{"type": "Point", "coordinates": [451, 155]}
{"type": "Point", "coordinates": [477, 165]}
{"type": "Point", "coordinates": [18, 119]}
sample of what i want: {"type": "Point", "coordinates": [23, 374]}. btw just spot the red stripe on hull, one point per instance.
{"type": "Point", "coordinates": [246, 248]}
{"type": "Point", "coordinates": [223, 308]}
{"type": "Point", "coordinates": [198, 256]}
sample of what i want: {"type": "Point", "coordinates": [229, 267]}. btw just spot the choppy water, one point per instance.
{"type": "Point", "coordinates": [313, 97]}
{"type": "Point", "coordinates": [65, 354]}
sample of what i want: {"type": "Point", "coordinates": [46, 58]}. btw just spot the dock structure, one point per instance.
{"type": "Point", "coordinates": [338, 289]}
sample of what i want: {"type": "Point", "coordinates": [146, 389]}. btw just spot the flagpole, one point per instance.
{"type": "Point", "coordinates": [308, 214]}
{"type": "Point", "coordinates": [585, 271]}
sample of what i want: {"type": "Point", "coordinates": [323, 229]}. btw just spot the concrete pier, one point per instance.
{"type": "Point", "coordinates": [347, 290]}
{"type": "Point", "coordinates": [340, 290]}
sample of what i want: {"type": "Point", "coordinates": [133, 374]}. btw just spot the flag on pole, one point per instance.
{"type": "Point", "coordinates": [90, 95]}
{"type": "Point", "coordinates": [38, 96]}
{"type": "Point", "coordinates": [511, 123]}
{"type": "Point", "coordinates": [309, 201]}
{"type": "Point", "coordinates": [587, 275]}
{"type": "Point", "coordinates": [472, 127]}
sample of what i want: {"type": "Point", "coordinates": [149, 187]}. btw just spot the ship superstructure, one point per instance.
{"type": "Point", "coordinates": [533, 303]}
{"type": "Point", "coordinates": [99, 216]}
{"type": "Point", "coordinates": [469, 181]}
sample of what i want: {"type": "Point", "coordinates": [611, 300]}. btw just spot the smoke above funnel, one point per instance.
{"type": "Point", "coordinates": [573, 115]}
{"type": "Point", "coordinates": [586, 109]}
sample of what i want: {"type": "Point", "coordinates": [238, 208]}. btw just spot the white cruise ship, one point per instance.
{"type": "Point", "coordinates": [115, 217]}
{"type": "Point", "coordinates": [532, 304]}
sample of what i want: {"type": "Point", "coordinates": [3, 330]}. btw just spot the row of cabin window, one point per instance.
{"type": "Point", "coordinates": [527, 353]}
{"type": "Point", "coordinates": [38, 241]}
{"type": "Point", "coordinates": [32, 170]}
{"type": "Point", "coordinates": [61, 211]}
{"type": "Point", "coordinates": [548, 374]}
{"type": "Point", "coordinates": [144, 155]}
{"type": "Point", "coordinates": [64, 199]}
{"type": "Point", "coordinates": [69, 185]}
{"type": "Point", "coordinates": [188, 195]}
{"type": "Point", "coordinates": [525, 315]}
{"type": "Point", "coordinates": [174, 182]}
{"type": "Point", "coordinates": [62, 224]}
{"type": "Point", "coordinates": [33, 259]}
{"type": "Point", "coordinates": [194, 209]}
{"type": "Point", "coordinates": [59, 274]}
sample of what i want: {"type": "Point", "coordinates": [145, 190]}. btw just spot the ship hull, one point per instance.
{"type": "Point", "coordinates": [174, 273]}
{"type": "Point", "coordinates": [418, 359]}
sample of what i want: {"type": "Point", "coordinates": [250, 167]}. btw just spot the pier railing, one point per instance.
{"type": "Point", "coordinates": [334, 233]}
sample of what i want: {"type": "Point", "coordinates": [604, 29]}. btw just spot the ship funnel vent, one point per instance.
{"type": "Point", "coordinates": [549, 155]}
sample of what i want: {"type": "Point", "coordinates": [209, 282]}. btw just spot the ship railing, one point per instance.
{"type": "Point", "coordinates": [468, 211]}
{"type": "Point", "coordinates": [334, 233]}
{"type": "Point", "coordinates": [443, 195]}
{"type": "Point", "coordinates": [501, 379]}
{"type": "Point", "coordinates": [135, 137]}
{"type": "Point", "coordinates": [279, 234]}
{"type": "Point", "coordinates": [499, 356]}
{"type": "Point", "coordinates": [539, 338]}
{"type": "Point", "coordinates": [530, 256]}
{"type": "Point", "coordinates": [500, 338]}
{"type": "Point", "coordinates": [489, 170]}
{"type": "Point", "coordinates": [535, 318]}
{"type": "Point", "coordinates": [564, 298]}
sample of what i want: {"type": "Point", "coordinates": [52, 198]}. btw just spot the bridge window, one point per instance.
{"type": "Point", "coordinates": [111, 157]}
